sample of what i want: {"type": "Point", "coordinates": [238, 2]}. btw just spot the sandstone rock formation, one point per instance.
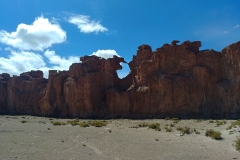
{"type": "Point", "coordinates": [175, 80]}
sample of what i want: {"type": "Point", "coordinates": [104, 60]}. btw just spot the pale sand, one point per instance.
{"type": "Point", "coordinates": [36, 140]}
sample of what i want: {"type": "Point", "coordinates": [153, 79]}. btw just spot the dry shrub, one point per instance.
{"type": "Point", "coordinates": [213, 134]}
{"type": "Point", "coordinates": [155, 126]}
{"type": "Point", "coordinates": [237, 144]}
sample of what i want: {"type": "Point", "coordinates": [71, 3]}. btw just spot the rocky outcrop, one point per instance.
{"type": "Point", "coordinates": [175, 80]}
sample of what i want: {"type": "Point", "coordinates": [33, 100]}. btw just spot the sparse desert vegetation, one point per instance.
{"type": "Point", "coordinates": [57, 123]}
{"type": "Point", "coordinates": [237, 144]}
{"type": "Point", "coordinates": [199, 120]}
{"type": "Point", "coordinates": [84, 124]}
{"type": "Point", "coordinates": [119, 134]}
{"type": "Point", "coordinates": [155, 126]}
{"type": "Point", "coordinates": [222, 122]}
{"type": "Point", "coordinates": [184, 130]}
{"type": "Point", "coordinates": [234, 124]}
{"type": "Point", "coordinates": [168, 129]}
{"type": "Point", "coordinates": [95, 123]}
{"type": "Point", "coordinates": [99, 123]}
{"type": "Point", "coordinates": [167, 118]}
{"type": "Point", "coordinates": [213, 134]}
{"type": "Point", "coordinates": [23, 121]}
{"type": "Point", "coordinates": [175, 120]}
{"type": "Point", "coordinates": [143, 124]}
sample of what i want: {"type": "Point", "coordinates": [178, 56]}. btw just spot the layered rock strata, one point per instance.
{"type": "Point", "coordinates": [173, 81]}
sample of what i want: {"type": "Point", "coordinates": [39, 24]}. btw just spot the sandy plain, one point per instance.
{"type": "Point", "coordinates": [39, 139]}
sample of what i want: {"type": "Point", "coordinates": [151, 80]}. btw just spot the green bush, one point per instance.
{"type": "Point", "coordinates": [213, 134]}
{"type": "Point", "coordinates": [155, 126]}
{"type": "Point", "coordinates": [237, 144]}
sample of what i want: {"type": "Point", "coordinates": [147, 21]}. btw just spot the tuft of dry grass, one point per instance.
{"type": "Point", "coordinates": [218, 123]}
{"type": "Point", "coordinates": [143, 124]}
{"type": "Point", "coordinates": [168, 129]}
{"type": "Point", "coordinates": [198, 120]}
{"type": "Point", "coordinates": [74, 122]}
{"type": "Point", "coordinates": [57, 123]}
{"type": "Point", "coordinates": [167, 118]}
{"type": "Point", "coordinates": [234, 124]}
{"type": "Point", "coordinates": [184, 130]}
{"type": "Point", "coordinates": [84, 124]}
{"type": "Point", "coordinates": [175, 120]}
{"type": "Point", "coordinates": [23, 121]}
{"type": "Point", "coordinates": [237, 144]}
{"type": "Point", "coordinates": [98, 123]}
{"type": "Point", "coordinates": [213, 134]}
{"type": "Point", "coordinates": [155, 126]}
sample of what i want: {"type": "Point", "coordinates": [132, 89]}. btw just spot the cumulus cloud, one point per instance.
{"type": "Point", "coordinates": [105, 53]}
{"type": "Point", "coordinates": [22, 61]}
{"type": "Point", "coordinates": [86, 25]}
{"type": "Point", "coordinates": [60, 63]}
{"type": "Point", "coordinates": [18, 62]}
{"type": "Point", "coordinates": [37, 36]}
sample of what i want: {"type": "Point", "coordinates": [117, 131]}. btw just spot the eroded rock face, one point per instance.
{"type": "Point", "coordinates": [175, 80]}
{"type": "Point", "coordinates": [3, 92]}
{"type": "Point", "coordinates": [24, 93]}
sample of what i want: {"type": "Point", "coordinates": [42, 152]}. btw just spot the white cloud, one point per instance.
{"type": "Point", "coordinates": [37, 36]}
{"type": "Point", "coordinates": [22, 61]}
{"type": "Point", "coordinates": [236, 26]}
{"type": "Point", "coordinates": [60, 63]}
{"type": "Point", "coordinates": [226, 32]}
{"type": "Point", "coordinates": [105, 53]}
{"type": "Point", "coordinates": [86, 25]}
{"type": "Point", "coordinates": [18, 62]}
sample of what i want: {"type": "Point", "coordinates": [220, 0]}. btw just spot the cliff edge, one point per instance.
{"type": "Point", "coordinates": [175, 81]}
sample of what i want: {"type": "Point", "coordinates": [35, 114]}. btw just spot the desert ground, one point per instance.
{"type": "Point", "coordinates": [30, 137]}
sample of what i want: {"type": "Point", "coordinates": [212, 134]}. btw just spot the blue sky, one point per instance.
{"type": "Point", "coordinates": [53, 34]}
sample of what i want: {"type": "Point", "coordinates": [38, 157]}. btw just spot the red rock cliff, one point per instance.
{"type": "Point", "coordinates": [175, 80]}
